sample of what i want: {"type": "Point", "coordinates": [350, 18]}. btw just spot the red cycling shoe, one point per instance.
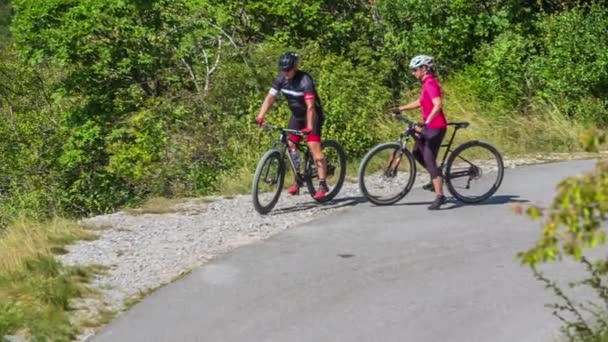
{"type": "Point", "coordinates": [294, 189]}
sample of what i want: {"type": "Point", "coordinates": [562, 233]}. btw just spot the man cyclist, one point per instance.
{"type": "Point", "coordinates": [434, 124]}
{"type": "Point", "coordinates": [307, 115]}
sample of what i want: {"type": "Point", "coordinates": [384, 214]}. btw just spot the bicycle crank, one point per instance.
{"type": "Point", "coordinates": [272, 181]}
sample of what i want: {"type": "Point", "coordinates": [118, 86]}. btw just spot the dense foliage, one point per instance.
{"type": "Point", "coordinates": [109, 102]}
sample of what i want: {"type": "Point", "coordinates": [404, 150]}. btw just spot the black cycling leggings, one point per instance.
{"type": "Point", "coordinates": [427, 147]}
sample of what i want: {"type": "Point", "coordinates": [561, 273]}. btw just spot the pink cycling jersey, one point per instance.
{"type": "Point", "coordinates": [430, 90]}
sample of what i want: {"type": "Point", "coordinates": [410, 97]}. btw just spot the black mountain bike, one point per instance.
{"type": "Point", "coordinates": [473, 171]}
{"type": "Point", "coordinates": [271, 169]}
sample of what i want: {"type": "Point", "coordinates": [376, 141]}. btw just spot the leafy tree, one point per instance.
{"type": "Point", "coordinates": [125, 65]}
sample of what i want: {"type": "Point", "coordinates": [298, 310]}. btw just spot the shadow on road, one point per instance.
{"type": "Point", "coordinates": [453, 203]}
{"type": "Point", "coordinates": [355, 200]}
{"type": "Point", "coordinates": [333, 204]}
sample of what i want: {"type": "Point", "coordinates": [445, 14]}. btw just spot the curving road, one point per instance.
{"type": "Point", "coordinates": [398, 273]}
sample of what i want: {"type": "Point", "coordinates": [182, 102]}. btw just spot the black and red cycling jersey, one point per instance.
{"type": "Point", "coordinates": [300, 88]}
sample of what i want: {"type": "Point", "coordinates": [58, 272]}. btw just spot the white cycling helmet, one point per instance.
{"type": "Point", "coordinates": [421, 60]}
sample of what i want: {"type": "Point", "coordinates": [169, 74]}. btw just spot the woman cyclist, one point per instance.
{"type": "Point", "coordinates": [434, 125]}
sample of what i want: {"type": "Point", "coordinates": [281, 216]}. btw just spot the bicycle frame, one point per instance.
{"type": "Point", "coordinates": [410, 132]}
{"type": "Point", "coordinates": [282, 146]}
{"type": "Point", "coordinates": [449, 146]}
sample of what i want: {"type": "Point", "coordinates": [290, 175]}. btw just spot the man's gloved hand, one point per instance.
{"type": "Point", "coordinates": [259, 119]}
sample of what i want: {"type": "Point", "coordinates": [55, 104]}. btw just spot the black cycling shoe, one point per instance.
{"type": "Point", "coordinates": [439, 200]}
{"type": "Point", "coordinates": [429, 186]}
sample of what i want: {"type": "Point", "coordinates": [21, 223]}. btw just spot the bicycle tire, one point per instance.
{"type": "Point", "coordinates": [342, 175]}
{"type": "Point", "coordinates": [266, 158]}
{"type": "Point", "coordinates": [450, 163]}
{"type": "Point", "coordinates": [368, 157]}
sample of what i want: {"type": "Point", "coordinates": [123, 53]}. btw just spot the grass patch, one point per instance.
{"type": "Point", "coordinates": [103, 317]}
{"type": "Point", "coordinates": [539, 127]}
{"type": "Point", "coordinates": [25, 239]}
{"type": "Point", "coordinates": [238, 182]}
{"type": "Point", "coordinates": [35, 289]}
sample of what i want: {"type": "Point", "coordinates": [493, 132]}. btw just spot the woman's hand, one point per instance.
{"type": "Point", "coordinates": [420, 127]}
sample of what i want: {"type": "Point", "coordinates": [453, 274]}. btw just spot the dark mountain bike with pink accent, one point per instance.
{"type": "Point", "coordinates": [270, 172]}
{"type": "Point", "coordinates": [473, 171]}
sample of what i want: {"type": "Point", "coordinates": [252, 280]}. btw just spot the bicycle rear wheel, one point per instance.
{"type": "Point", "coordinates": [336, 169]}
{"type": "Point", "coordinates": [268, 181]}
{"type": "Point", "coordinates": [387, 173]}
{"type": "Point", "coordinates": [474, 171]}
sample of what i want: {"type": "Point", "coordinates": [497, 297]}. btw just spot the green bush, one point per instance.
{"type": "Point", "coordinates": [448, 30]}
{"type": "Point", "coordinates": [354, 101]}
{"type": "Point", "coordinates": [498, 74]}
{"type": "Point", "coordinates": [571, 69]}
{"type": "Point", "coordinates": [116, 102]}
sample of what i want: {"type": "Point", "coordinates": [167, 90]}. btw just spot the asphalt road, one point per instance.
{"type": "Point", "coordinates": [368, 273]}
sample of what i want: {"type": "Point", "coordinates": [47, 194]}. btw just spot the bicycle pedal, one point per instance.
{"type": "Point", "coordinates": [390, 173]}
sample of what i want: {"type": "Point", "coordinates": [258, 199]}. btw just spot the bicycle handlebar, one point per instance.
{"type": "Point", "coordinates": [266, 126]}
{"type": "Point", "coordinates": [406, 120]}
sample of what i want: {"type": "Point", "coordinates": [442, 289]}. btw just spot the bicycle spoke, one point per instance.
{"type": "Point", "coordinates": [335, 159]}
{"type": "Point", "coordinates": [386, 174]}
{"type": "Point", "coordinates": [266, 172]}
{"type": "Point", "coordinates": [268, 182]}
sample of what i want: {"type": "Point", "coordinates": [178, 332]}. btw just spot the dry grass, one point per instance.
{"type": "Point", "coordinates": [25, 239]}
{"type": "Point", "coordinates": [35, 289]}
{"type": "Point", "coordinates": [239, 182]}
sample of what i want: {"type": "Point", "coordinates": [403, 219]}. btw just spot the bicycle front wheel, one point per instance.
{"type": "Point", "coordinates": [474, 171]}
{"type": "Point", "coordinates": [387, 174]}
{"type": "Point", "coordinates": [336, 169]}
{"type": "Point", "coordinates": [268, 181]}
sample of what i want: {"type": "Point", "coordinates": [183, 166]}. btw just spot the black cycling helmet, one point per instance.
{"type": "Point", "coordinates": [288, 60]}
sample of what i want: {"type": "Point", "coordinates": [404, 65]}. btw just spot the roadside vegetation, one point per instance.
{"type": "Point", "coordinates": [35, 289]}
{"type": "Point", "coordinates": [571, 227]}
